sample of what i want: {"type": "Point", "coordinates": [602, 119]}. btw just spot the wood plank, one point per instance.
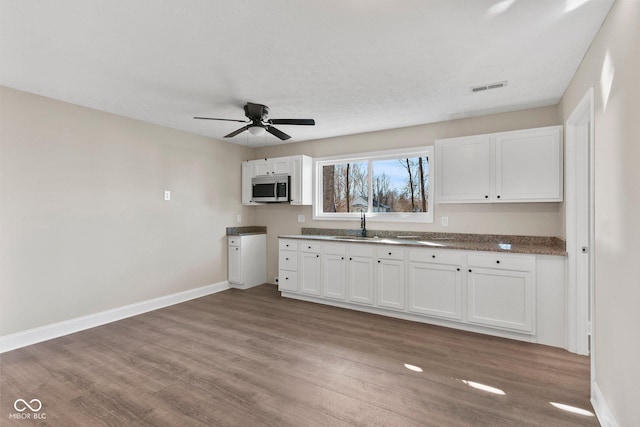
{"type": "Point", "coordinates": [254, 358]}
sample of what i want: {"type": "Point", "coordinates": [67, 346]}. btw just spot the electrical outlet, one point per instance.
{"type": "Point", "coordinates": [167, 195]}
{"type": "Point", "coordinates": [238, 218]}
{"type": "Point", "coordinates": [300, 218]}
{"type": "Point", "coordinates": [445, 221]}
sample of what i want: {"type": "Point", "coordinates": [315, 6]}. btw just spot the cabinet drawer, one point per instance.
{"type": "Point", "coordinates": [361, 250]}
{"type": "Point", "coordinates": [390, 252]}
{"type": "Point", "coordinates": [287, 280]}
{"type": "Point", "coordinates": [288, 260]}
{"type": "Point", "coordinates": [504, 262]}
{"type": "Point", "coordinates": [288, 245]}
{"type": "Point", "coordinates": [233, 240]}
{"type": "Point", "coordinates": [308, 246]}
{"type": "Point", "coordinates": [434, 256]}
{"type": "Point", "coordinates": [334, 249]}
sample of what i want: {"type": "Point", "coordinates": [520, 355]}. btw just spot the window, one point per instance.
{"type": "Point", "coordinates": [388, 185]}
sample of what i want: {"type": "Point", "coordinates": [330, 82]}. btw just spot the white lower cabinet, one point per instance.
{"type": "Point", "coordinates": [480, 291]}
{"type": "Point", "coordinates": [360, 275]}
{"type": "Point", "coordinates": [435, 284]}
{"type": "Point", "coordinates": [309, 277]}
{"type": "Point", "coordinates": [501, 291]}
{"type": "Point", "coordinates": [334, 272]}
{"type": "Point", "coordinates": [389, 279]}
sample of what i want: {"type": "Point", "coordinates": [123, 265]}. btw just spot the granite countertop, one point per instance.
{"type": "Point", "coordinates": [537, 245]}
{"type": "Point", "coordinates": [243, 231]}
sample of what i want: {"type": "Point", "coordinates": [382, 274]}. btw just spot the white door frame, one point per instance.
{"type": "Point", "coordinates": [579, 216]}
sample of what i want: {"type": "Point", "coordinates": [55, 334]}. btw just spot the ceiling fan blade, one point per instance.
{"type": "Point", "coordinates": [226, 120]}
{"type": "Point", "coordinates": [306, 122]}
{"type": "Point", "coordinates": [277, 133]}
{"type": "Point", "coordinates": [236, 132]}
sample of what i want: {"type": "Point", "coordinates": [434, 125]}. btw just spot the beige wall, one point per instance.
{"type": "Point", "coordinates": [542, 219]}
{"type": "Point", "coordinates": [83, 224]}
{"type": "Point", "coordinates": [617, 205]}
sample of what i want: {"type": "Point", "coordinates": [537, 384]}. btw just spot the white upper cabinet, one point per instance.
{"type": "Point", "coordinates": [274, 166]}
{"type": "Point", "coordinates": [299, 168]}
{"type": "Point", "coordinates": [518, 166]}
{"type": "Point", "coordinates": [463, 169]}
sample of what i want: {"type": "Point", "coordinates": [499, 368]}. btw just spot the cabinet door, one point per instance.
{"type": "Point", "coordinates": [247, 174]}
{"type": "Point", "coordinates": [464, 169]}
{"type": "Point", "coordinates": [309, 277]}
{"type": "Point", "coordinates": [234, 274]}
{"type": "Point", "coordinates": [500, 298]}
{"type": "Point", "coordinates": [390, 284]}
{"type": "Point", "coordinates": [261, 167]}
{"type": "Point", "coordinates": [360, 279]}
{"type": "Point", "coordinates": [435, 289]}
{"type": "Point", "coordinates": [280, 165]}
{"type": "Point", "coordinates": [334, 276]}
{"type": "Point", "coordinates": [529, 165]}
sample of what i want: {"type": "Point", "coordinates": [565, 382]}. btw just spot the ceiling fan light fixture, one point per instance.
{"type": "Point", "coordinates": [257, 130]}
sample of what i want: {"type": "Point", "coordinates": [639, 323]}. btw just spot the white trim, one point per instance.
{"type": "Point", "coordinates": [66, 327]}
{"type": "Point", "coordinates": [579, 298]}
{"type": "Point", "coordinates": [601, 407]}
{"type": "Point", "coordinates": [422, 217]}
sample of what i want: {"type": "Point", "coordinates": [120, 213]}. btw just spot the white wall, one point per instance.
{"type": "Point", "coordinates": [83, 224]}
{"type": "Point", "coordinates": [541, 219]}
{"type": "Point", "coordinates": [617, 203]}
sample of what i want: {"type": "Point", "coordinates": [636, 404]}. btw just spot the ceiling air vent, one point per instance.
{"type": "Point", "coordinates": [489, 86]}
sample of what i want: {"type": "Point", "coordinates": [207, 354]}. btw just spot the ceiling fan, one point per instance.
{"type": "Point", "coordinates": [258, 122]}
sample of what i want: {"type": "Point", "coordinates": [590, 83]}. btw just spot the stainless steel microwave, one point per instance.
{"type": "Point", "coordinates": [271, 189]}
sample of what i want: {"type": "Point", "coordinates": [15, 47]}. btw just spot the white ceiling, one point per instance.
{"type": "Point", "coordinates": [352, 65]}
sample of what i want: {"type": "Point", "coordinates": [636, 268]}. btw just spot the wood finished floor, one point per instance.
{"type": "Point", "coordinates": [252, 358]}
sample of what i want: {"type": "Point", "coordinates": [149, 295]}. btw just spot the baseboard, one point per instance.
{"type": "Point", "coordinates": [55, 330]}
{"type": "Point", "coordinates": [600, 405]}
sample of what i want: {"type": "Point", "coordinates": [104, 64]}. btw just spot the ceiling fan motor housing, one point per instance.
{"type": "Point", "coordinates": [256, 111]}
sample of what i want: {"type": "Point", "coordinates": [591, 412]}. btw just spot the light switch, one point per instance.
{"type": "Point", "coordinates": [238, 218]}
{"type": "Point", "coordinates": [445, 221]}
{"type": "Point", "coordinates": [167, 195]}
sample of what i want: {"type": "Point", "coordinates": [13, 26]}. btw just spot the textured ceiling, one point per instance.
{"type": "Point", "coordinates": [352, 65]}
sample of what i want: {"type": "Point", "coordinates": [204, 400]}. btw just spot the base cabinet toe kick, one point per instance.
{"type": "Point", "coordinates": [493, 293]}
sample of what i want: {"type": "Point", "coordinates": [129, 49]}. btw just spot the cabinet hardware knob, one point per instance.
{"type": "Point", "coordinates": [350, 259]}
{"type": "Point", "coordinates": [287, 259]}
{"type": "Point", "coordinates": [286, 278]}
{"type": "Point", "coordinates": [469, 270]}
{"type": "Point", "coordinates": [342, 257]}
{"type": "Point", "coordinates": [287, 245]}
{"type": "Point", "coordinates": [457, 269]}
{"type": "Point", "coordinates": [389, 253]}
{"type": "Point", "coordinates": [378, 261]}
{"type": "Point", "coordinates": [309, 247]}
{"type": "Point", "coordinates": [317, 256]}
{"type": "Point", "coordinates": [433, 256]}
{"type": "Point", "coordinates": [486, 197]}
{"type": "Point", "coordinates": [498, 262]}
{"type": "Point", "coordinates": [236, 249]}
{"type": "Point", "coordinates": [498, 197]}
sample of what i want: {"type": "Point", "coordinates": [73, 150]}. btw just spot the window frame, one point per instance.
{"type": "Point", "coordinates": [369, 157]}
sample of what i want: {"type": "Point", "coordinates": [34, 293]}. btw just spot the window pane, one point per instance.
{"type": "Point", "coordinates": [345, 187]}
{"type": "Point", "coordinates": [401, 185]}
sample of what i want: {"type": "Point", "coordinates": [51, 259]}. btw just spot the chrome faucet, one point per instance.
{"type": "Point", "coordinates": [363, 223]}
